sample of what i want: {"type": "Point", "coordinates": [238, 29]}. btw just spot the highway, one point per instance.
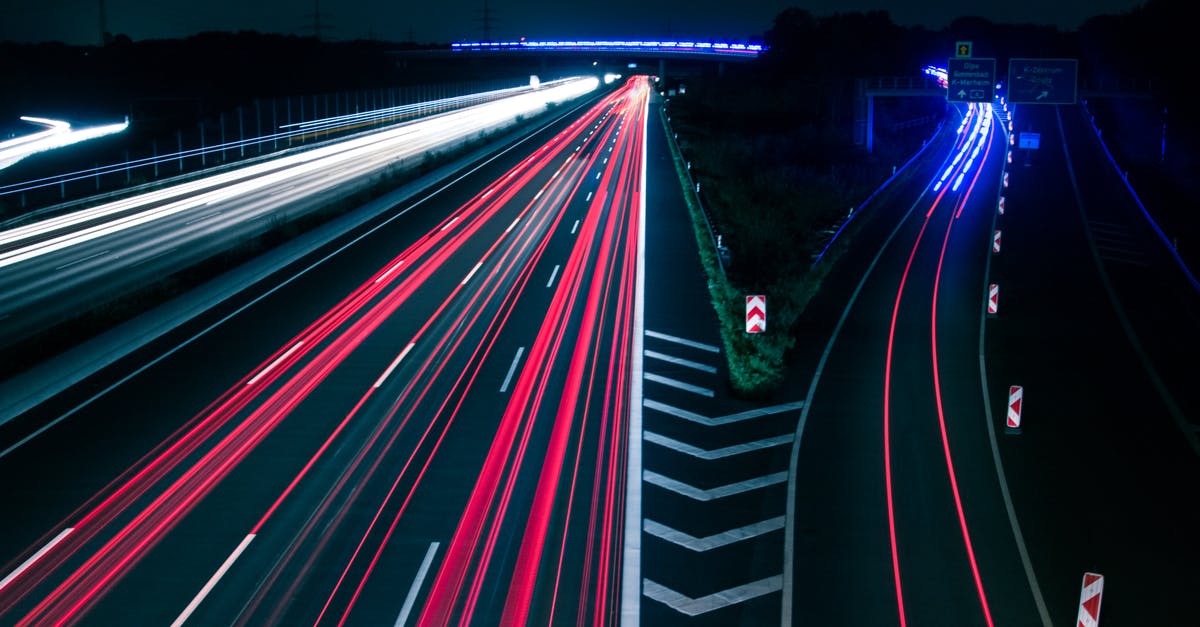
{"type": "Point", "coordinates": [896, 505]}
{"type": "Point", "coordinates": [444, 417]}
{"type": "Point", "coordinates": [56, 267]}
{"type": "Point", "coordinates": [913, 504]}
{"type": "Point", "coordinates": [426, 426]}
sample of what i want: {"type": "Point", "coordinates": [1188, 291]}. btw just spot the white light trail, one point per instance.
{"type": "Point", "coordinates": [58, 136]}
{"type": "Point", "coordinates": [364, 154]}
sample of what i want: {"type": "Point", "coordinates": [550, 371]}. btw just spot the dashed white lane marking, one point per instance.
{"type": "Point", "coordinates": [272, 365]}
{"type": "Point", "coordinates": [212, 581]}
{"type": "Point", "coordinates": [35, 557]}
{"type": "Point", "coordinates": [416, 585]}
{"type": "Point", "coordinates": [511, 369]}
{"type": "Point", "coordinates": [395, 362]}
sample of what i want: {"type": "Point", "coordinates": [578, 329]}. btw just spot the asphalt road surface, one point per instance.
{"type": "Point", "coordinates": [428, 426]}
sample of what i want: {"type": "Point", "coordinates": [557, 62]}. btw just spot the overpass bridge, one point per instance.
{"type": "Point", "coordinates": [932, 84]}
{"type": "Point", "coordinates": [615, 52]}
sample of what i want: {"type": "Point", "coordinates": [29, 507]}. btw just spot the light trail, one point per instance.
{"type": "Point", "coordinates": [376, 453]}
{"type": "Point", "coordinates": [59, 135]}
{"type": "Point", "coordinates": [369, 153]}
{"type": "Point", "coordinates": [135, 483]}
{"type": "Point", "coordinates": [460, 579]}
{"type": "Point", "coordinates": [967, 144]}
{"type": "Point", "coordinates": [937, 382]}
{"type": "Point", "coordinates": [525, 273]}
{"type": "Point", "coordinates": [117, 527]}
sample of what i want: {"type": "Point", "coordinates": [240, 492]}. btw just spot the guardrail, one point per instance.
{"type": "Point", "coordinates": [694, 190]}
{"type": "Point", "coordinates": [1171, 248]}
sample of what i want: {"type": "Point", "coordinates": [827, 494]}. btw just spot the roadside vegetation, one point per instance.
{"type": "Point", "coordinates": [771, 147]}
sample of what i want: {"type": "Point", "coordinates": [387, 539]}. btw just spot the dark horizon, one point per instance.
{"type": "Point", "coordinates": [79, 22]}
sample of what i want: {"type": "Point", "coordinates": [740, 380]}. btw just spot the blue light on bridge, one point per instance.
{"type": "Point", "coordinates": [695, 47]}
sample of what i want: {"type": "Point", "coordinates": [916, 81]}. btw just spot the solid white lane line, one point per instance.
{"type": "Point", "coordinates": [678, 340]}
{"type": "Point", "coordinates": [272, 365]}
{"type": "Point", "coordinates": [35, 557]}
{"type": "Point", "coordinates": [471, 273]}
{"type": "Point", "coordinates": [552, 275]}
{"type": "Point", "coordinates": [631, 567]}
{"type": "Point", "coordinates": [576, 226]}
{"type": "Point", "coordinates": [411, 598]}
{"type": "Point", "coordinates": [679, 385]}
{"type": "Point", "coordinates": [679, 361]}
{"type": "Point", "coordinates": [395, 362]}
{"type": "Point", "coordinates": [212, 582]}
{"type": "Point", "coordinates": [512, 369]}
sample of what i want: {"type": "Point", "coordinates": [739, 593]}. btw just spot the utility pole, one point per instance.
{"type": "Point", "coordinates": [104, 36]}
{"type": "Point", "coordinates": [318, 27]}
{"type": "Point", "coordinates": [487, 21]}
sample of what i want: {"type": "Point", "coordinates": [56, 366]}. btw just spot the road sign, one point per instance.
{"type": "Point", "coordinates": [1042, 81]}
{"type": "Point", "coordinates": [963, 48]}
{"type": "Point", "coordinates": [970, 80]}
{"type": "Point", "coordinates": [993, 306]}
{"type": "Point", "coordinates": [1016, 396]}
{"type": "Point", "coordinates": [996, 242]}
{"type": "Point", "coordinates": [756, 313]}
{"type": "Point", "coordinates": [1030, 141]}
{"type": "Point", "coordinates": [1089, 600]}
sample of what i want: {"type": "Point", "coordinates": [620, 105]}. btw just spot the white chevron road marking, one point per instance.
{"type": "Point", "coordinates": [719, 453]}
{"type": "Point", "coordinates": [719, 492]}
{"type": "Point", "coordinates": [715, 601]}
{"type": "Point", "coordinates": [715, 541]}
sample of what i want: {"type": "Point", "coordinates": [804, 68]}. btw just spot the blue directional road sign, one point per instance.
{"type": "Point", "coordinates": [970, 80]}
{"type": "Point", "coordinates": [1042, 81]}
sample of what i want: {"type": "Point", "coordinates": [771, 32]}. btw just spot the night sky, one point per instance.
{"type": "Point", "coordinates": [440, 21]}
